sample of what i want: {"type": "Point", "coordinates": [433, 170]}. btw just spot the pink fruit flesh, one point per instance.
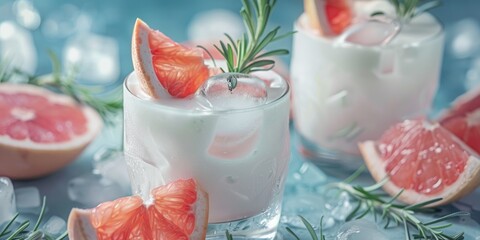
{"type": "Point", "coordinates": [25, 116]}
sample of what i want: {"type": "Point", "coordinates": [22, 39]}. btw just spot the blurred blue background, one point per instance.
{"type": "Point", "coordinates": [102, 30]}
{"type": "Point", "coordinates": [60, 22]}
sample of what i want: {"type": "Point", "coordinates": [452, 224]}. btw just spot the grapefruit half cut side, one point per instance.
{"type": "Point", "coordinates": [178, 210]}
{"type": "Point", "coordinates": [166, 68]}
{"type": "Point", "coordinates": [41, 131]}
{"type": "Point", "coordinates": [425, 160]}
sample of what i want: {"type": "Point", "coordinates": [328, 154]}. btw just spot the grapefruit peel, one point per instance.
{"type": "Point", "coordinates": [168, 215]}
{"type": "Point", "coordinates": [466, 182]}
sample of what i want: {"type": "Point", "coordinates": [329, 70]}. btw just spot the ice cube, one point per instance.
{"type": "Point", "coordinates": [473, 75]}
{"type": "Point", "coordinates": [26, 14]}
{"type": "Point", "coordinates": [17, 47]}
{"type": "Point", "coordinates": [92, 189]}
{"type": "Point", "coordinates": [94, 56]}
{"type": "Point", "coordinates": [27, 197]}
{"type": "Point", "coordinates": [66, 21]}
{"type": "Point", "coordinates": [110, 164]}
{"type": "Point", "coordinates": [340, 206]}
{"type": "Point", "coordinates": [307, 178]}
{"type": "Point", "coordinates": [234, 91]}
{"type": "Point", "coordinates": [374, 32]}
{"type": "Point", "coordinates": [360, 230]}
{"type": "Point", "coordinates": [307, 205]}
{"type": "Point", "coordinates": [8, 207]}
{"type": "Point", "coordinates": [54, 226]}
{"type": "Point", "coordinates": [465, 35]}
{"type": "Point", "coordinates": [213, 24]}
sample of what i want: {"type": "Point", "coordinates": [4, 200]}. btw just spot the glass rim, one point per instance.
{"type": "Point", "coordinates": [302, 29]}
{"type": "Point", "coordinates": [157, 104]}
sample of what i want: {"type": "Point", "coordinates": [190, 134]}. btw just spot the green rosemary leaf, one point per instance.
{"type": "Point", "coordinates": [322, 237]}
{"type": "Point", "coordinates": [447, 225]}
{"type": "Point", "coordinates": [452, 215]}
{"type": "Point", "coordinates": [209, 54]}
{"type": "Point", "coordinates": [258, 65]}
{"type": "Point", "coordinates": [422, 204]}
{"type": "Point", "coordinates": [289, 230]}
{"type": "Point", "coordinates": [228, 235]}
{"type": "Point", "coordinates": [232, 42]}
{"type": "Point", "coordinates": [355, 175]}
{"type": "Point", "coordinates": [63, 236]}
{"type": "Point", "coordinates": [427, 6]}
{"type": "Point", "coordinates": [407, 230]}
{"type": "Point", "coordinates": [377, 185]}
{"type": "Point", "coordinates": [273, 53]}
{"type": "Point", "coordinates": [5, 229]}
{"type": "Point", "coordinates": [266, 40]}
{"type": "Point", "coordinates": [20, 229]}
{"type": "Point", "coordinates": [355, 210]}
{"type": "Point", "coordinates": [247, 7]}
{"type": "Point", "coordinates": [40, 216]}
{"type": "Point", "coordinates": [288, 34]}
{"type": "Point", "coordinates": [309, 227]}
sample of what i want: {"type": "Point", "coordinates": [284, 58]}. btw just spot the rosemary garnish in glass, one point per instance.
{"type": "Point", "coordinates": [245, 55]}
{"type": "Point", "coordinates": [408, 9]}
{"type": "Point", "coordinates": [58, 81]}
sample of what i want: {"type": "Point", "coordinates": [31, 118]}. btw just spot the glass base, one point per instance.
{"type": "Point", "coordinates": [330, 161]}
{"type": "Point", "coordinates": [261, 226]}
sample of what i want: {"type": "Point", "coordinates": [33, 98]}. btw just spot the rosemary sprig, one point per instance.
{"type": "Point", "coordinates": [370, 201]}
{"type": "Point", "coordinates": [245, 55]}
{"type": "Point", "coordinates": [65, 83]}
{"type": "Point", "coordinates": [22, 232]}
{"type": "Point", "coordinates": [408, 9]}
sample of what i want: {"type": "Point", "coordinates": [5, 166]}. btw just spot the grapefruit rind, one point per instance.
{"type": "Point", "coordinates": [25, 159]}
{"type": "Point", "coordinates": [82, 224]}
{"type": "Point", "coordinates": [142, 61]}
{"type": "Point", "coordinates": [466, 182]}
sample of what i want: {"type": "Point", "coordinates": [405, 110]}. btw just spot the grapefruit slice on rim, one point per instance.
{"type": "Point", "coordinates": [164, 67]}
{"type": "Point", "coordinates": [329, 17]}
{"type": "Point", "coordinates": [178, 210]}
{"type": "Point", "coordinates": [41, 131]}
{"type": "Point", "coordinates": [463, 118]}
{"type": "Point", "coordinates": [425, 160]}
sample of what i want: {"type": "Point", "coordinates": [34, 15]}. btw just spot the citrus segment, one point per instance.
{"type": "Point", "coordinates": [425, 160]}
{"type": "Point", "coordinates": [178, 210]}
{"type": "Point", "coordinates": [463, 119]}
{"type": "Point", "coordinates": [329, 17]}
{"type": "Point", "coordinates": [164, 67]}
{"type": "Point", "coordinates": [41, 131]}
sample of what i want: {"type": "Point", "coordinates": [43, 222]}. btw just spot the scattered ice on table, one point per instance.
{"type": "Point", "coordinates": [17, 47]}
{"type": "Point", "coordinates": [340, 206]}
{"type": "Point", "coordinates": [360, 230]}
{"type": "Point", "coordinates": [66, 21]}
{"type": "Point", "coordinates": [8, 208]}
{"type": "Point", "coordinates": [54, 226]}
{"type": "Point", "coordinates": [308, 205]}
{"type": "Point", "coordinates": [94, 57]}
{"type": "Point", "coordinates": [27, 197]}
{"type": "Point", "coordinates": [465, 35]}
{"type": "Point", "coordinates": [307, 178]}
{"type": "Point", "coordinates": [211, 25]}
{"type": "Point", "coordinates": [111, 164]}
{"type": "Point", "coordinates": [92, 189]}
{"type": "Point", "coordinates": [26, 14]}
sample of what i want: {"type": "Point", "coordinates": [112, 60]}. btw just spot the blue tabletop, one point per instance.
{"type": "Point", "coordinates": [115, 18]}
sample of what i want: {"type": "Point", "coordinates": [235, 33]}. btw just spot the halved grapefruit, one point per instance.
{"type": "Point", "coordinates": [41, 131]}
{"type": "Point", "coordinates": [463, 118]}
{"type": "Point", "coordinates": [425, 160]}
{"type": "Point", "coordinates": [329, 17]}
{"type": "Point", "coordinates": [164, 67]}
{"type": "Point", "coordinates": [178, 210]}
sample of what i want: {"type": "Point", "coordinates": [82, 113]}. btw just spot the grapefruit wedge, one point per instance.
{"type": "Point", "coordinates": [178, 210]}
{"type": "Point", "coordinates": [41, 131]}
{"type": "Point", "coordinates": [425, 160]}
{"type": "Point", "coordinates": [164, 67]}
{"type": "Point", "coordinates": [329, 17]}
{"type": "Point", "coordinates": [463, 118]}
